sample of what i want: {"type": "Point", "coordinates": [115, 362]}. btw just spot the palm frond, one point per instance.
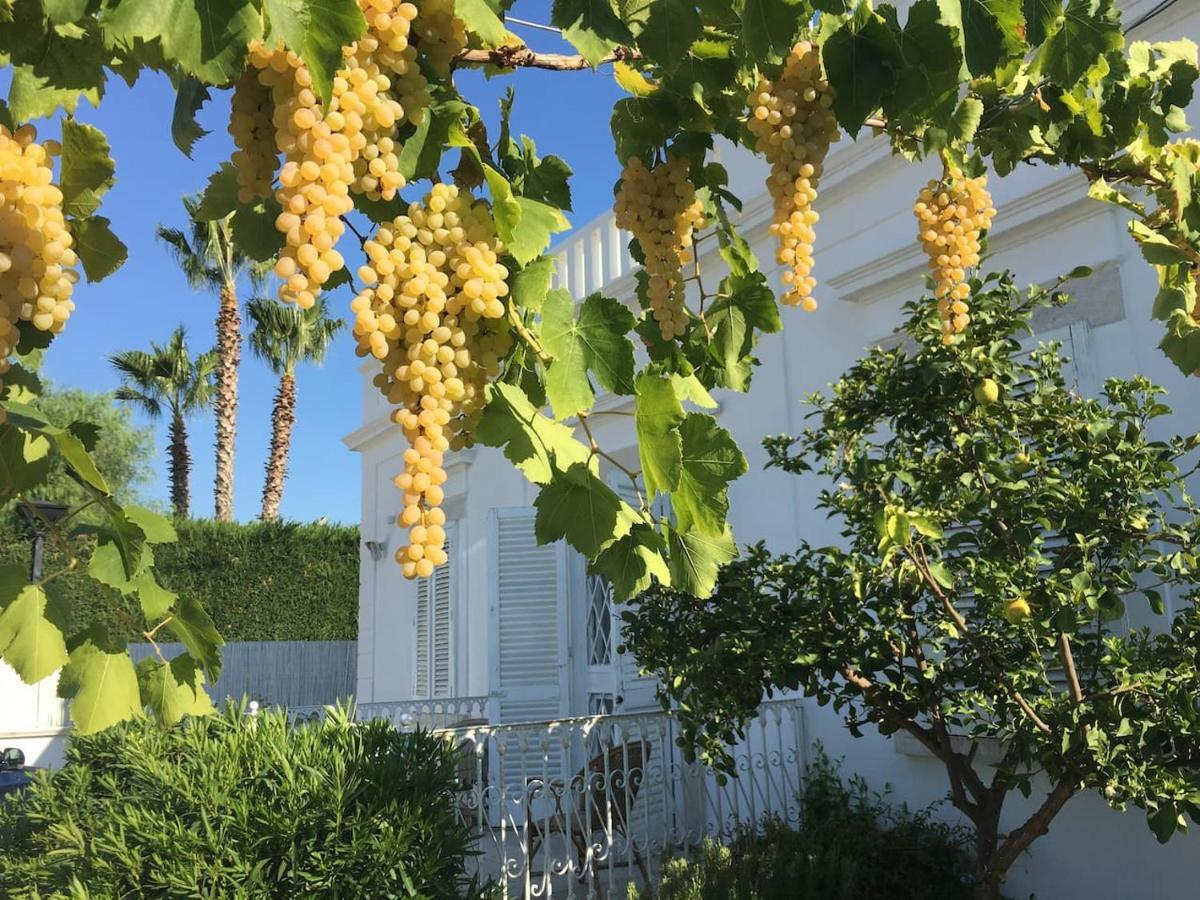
{"type": "Point", "coordinates": [284, 336]}
{"type": "Point", "coordinates": [167, 375]}
{"type": "Point", "coordinates": [148, 403]}
{"type": "Point", "coordinates": [199, 271]}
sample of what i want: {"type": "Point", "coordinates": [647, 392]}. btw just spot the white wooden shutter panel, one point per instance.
{"type": "Point", "coordinates": [529, 630]}
{"type": "Point", "coordinates": [434, 676]}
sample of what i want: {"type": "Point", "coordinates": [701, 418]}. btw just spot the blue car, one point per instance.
{"type": "Point", "coordinates": [14, 774]}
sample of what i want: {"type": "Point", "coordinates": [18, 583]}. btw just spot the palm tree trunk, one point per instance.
{"type": "Point", "coordinates": [180, 466]}
{"type": "Point", "coordinates": [229, 353]}
{"type": "Point", "coordinates": [282, 419]}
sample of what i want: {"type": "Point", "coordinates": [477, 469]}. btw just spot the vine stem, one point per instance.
{"type": "Point", "coordinates": [513, 56]}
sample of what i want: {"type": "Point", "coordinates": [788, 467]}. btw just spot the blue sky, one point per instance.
{"type": "Point", "coordinates": [566, 113]}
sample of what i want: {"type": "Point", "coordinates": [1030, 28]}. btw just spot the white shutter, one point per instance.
{"type": "Point", "coordinates": [434, 675]}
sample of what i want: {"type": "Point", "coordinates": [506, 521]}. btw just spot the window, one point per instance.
{"type": "Point", "coordinates": [434, 676]}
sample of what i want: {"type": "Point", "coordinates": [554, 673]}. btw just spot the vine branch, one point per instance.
{"type": "Point", "coordinates": [516, 56]}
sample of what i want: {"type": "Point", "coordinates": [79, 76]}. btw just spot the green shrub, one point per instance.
{"type": "Point", "coordinates": [852, 844]}
{"type": "Point", "coordinates": [238, 806]}
{"type": "Point", "coordinates": [260, 581]}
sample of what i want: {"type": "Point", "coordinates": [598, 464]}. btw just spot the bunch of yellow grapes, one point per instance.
{"type": "Point", "coordinates": [658, 206]}
{"type": "Point", "coordinates": [793, 122]}
{"type": "Point", "coordinates": [37, 263]}
{"type": "Point", "coordinates": [330, 153]}
{"type": "Point", "coordinates": [952, 213]}
{"type": "Point", "coordinates": [433, 314]}
{"type": "Point", "coordinates": [441, 33]}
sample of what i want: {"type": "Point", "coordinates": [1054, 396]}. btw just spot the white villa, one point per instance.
{"type": "Point", "coordinates": [509, 632]}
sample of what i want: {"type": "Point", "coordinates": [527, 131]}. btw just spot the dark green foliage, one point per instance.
{"type": "Point", "coordinates": [238, 806]}
{"type": "Point", "coordinates": [949, 503]}
{"type": "Point", "coordinates": [259, 581]}
{"type": "Point", "coordinates": [852, 844]}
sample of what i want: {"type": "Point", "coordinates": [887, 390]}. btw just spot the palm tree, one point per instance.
{"type": "Point", "coordinates": [168, 379]}
{"type": "Point", "coordinates": [210, 260]}
{"type": "Point", "coordinates": [284, 337]}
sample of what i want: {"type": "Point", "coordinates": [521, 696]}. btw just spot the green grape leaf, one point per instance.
{"type": "Point", "coordinates": [154, 599]}
{"type": "Point", "coordinates": [862, 58]}
{"type": "Point", "coordinates": [591, 26]}
{"type": "Point", "coordinates": [549, 182]}
{"type": "Point", "coordinates": [535, 443]}
{"type": "Point", "coordinates": [87, 168]}
{"type": "Point", "coordinates": [530, 237]}
{"type": "Point", "coordinates": [219, 197]}
{"type": "Point", "coordinates": [80, 461]}
{"type": "Point", "coordinates": [33, 96]}
{"type": "Point", "coordinates": [24, 460]}
{"type": "Point", "coordinates": [696, 558]}
{"type": "Point", "coordinates": [100, 683]}
{"type": "Point", "coordinates": [421, 154]}
{"type": "Point", "coordinates": [316, 30]}
{"type": "Point", "coordinates": [254, 230]}
{"type": "Point", "coordinates": [1040, 18]}
{"type": "Point", "coordinates": [195, 630]}
{"type": "Point", "coordinates": [594, 342]}
{"type": "Point", "coordinates": [190, 96]}
{"type": "Point", "coordinates": [730, 344]}
{"type": "Point", "coordinates": [657, 417]}
{"type": "Point", "coordinates": [107, 564]}
{"type": "Point", "coordinates": [689, 390]}
{"type": "Point", "coordinates": [30, 641]}
{"type": "Point", "coordinates": [156, 529]}
{"type": "Point", "coordinates": [60, 12]}
{"type": "Point", "coordinates": [579, 507]}
{"type": "Point", "coordinates": [505, 208]}
{"type": "Point", "coordinates": [753, 296]}
{"type": "Point", "coordinates": [769, 27]}
{"type": "Point", "coordinates": [991, 31]}
{"type": "Point", "coordinates": [528, 287]}
{"type": "Point", "coordinates": [173, 690]}
{"type": "Point", "coordinates": [100, 251]}
{"type": "Point", "coordinates": [710, 460]}
{"type": "Point", "coordinates": [670, 29]}
{"type": "Point", "coordinates": [480, 18]}
{"type": "Point", "coordinates": [1156, 248]}
{"type": "Point", "coordinates": [1089, 30]}
{"type": "Point", "coordinates": [207, 39]}
{"type": "Point", "coordinates": [965, 121]}
{"type": "Point", "coordinates": [13, 580]}
{"type": "Point", "coordinates": [632, 562]}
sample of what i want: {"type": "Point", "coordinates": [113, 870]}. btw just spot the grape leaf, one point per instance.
{"type": "Point", "coordinates": [579, 507]}
{"type": "Point", "coordinates": [154, 599]}
{"type": "Point", "coordinates": [696, 558]}
{"type": "Point", "coordinates": [317, 30]}
{"type": "Point", "coordinates": [480, 18]}
{"type": "Point", "coordinates": [530, 237]}
{"type": "Point", "coordinates": [87, 169]}
{"type": "Point", "coordinates": [710, 460]}
{"type": "Point", "coordinates": [195, 630]}
{"type": "Point", "coordinates": [219, 197]}
{"type": "Point", "coordinates": [548, 181]}
{"type": "Point", "coordinates": [80, 461]}
{"type": "Point", "coordinates": [208, 38]}
{"type": "Point", "coordinates": [24, 459]}
{"type": "Point", "coordinates": [30, 641]}
{"type": "Point", "coordinates": [535, 443]}
{"type": "Point", "coordinates": [529, 286]}
{"type": "Point", "coordinates": [595, 342]}
{"type": "Point", "coordinates": [100, 251]}
{"type": "Point", "coordinates": [254, 231]}
{"type": "Point", "coordinates": [190, 96]}
{"type": "Point", "coordinates": [990, 29]}
{"type": "Point", "coordinates": [1040, 16]}
{"type": "Point", "coordinates": [657, 418]}
{"type": "Point", "coordinates": [1090, 29]}
{"type": "Point", "coordinates": [173, 690]}
{"type": "Point", "coordinates": [631, 562]}
{"type": "Point", "coordinates": [670, 28]}
{"type": "Point", "coordinates": [100, 683]}
{"type": "Point", "coordinates": [157, 529]}
{"type": "Point", "coordinates": [32, 96]}
{"type": "Point", "coordinates": [60, 12]}
{"type": "Point", "coordinates": [862, 58]}
{"type": "Point", "coordinates": [421, 153]}
{"type": "Point", "coordinates": [591, 26]}
{"type": "Point", "coordinates": [769, 27]}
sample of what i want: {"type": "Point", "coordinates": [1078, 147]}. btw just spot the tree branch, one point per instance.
{"type": "Point", "coordinates": [1068, 661]}
{"type": "Point", "coordinates": [519, 56]}
{"type": "Point", "coordinates": [1035, 826]}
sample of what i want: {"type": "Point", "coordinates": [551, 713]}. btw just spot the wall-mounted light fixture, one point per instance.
{"type": "Point", "coordinates": [376, 548]}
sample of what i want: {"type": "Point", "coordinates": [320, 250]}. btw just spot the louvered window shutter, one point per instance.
{"type": "Point", "coordinates": [434, 676]}
{"type": "Point", "coordinates": [529, 619]}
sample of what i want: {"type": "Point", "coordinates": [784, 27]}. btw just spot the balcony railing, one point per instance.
{"type": "Point", "coordinates": [580, 807]}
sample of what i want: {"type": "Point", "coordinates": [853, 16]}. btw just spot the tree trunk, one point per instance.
{"type": "Point", "coordinates": [180, 466]}
{"type": "Point", "coordinates": [994, 856]}
{"type": "Point", "coordinates": [987, 839]}
{"type": "Point", "coordinates": [229, 355]}
{"type": "Point", "coordinates": [282, 419]}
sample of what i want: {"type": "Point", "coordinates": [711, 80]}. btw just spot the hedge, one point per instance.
{"type": "Point", "coordinates": [259, 581]}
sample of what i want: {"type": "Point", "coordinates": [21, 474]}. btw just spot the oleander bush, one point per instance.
{"type": "Point", "coordinates": [234, 805]}
{"type": "Point", "coordinates": [851, 844]}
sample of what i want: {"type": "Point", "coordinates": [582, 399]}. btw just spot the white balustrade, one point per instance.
{"type": "Point", "coordinates": [593, 258]}
{"type": "Point", "coordinates": [431, 715]}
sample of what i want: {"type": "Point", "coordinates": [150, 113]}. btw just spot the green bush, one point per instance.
{"type": "Point", "coordinates": [852, 844]}
{"type": "Point", "coordinates": [235, 806]}
{"type": "Point", "coordinates": [260, 581]}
